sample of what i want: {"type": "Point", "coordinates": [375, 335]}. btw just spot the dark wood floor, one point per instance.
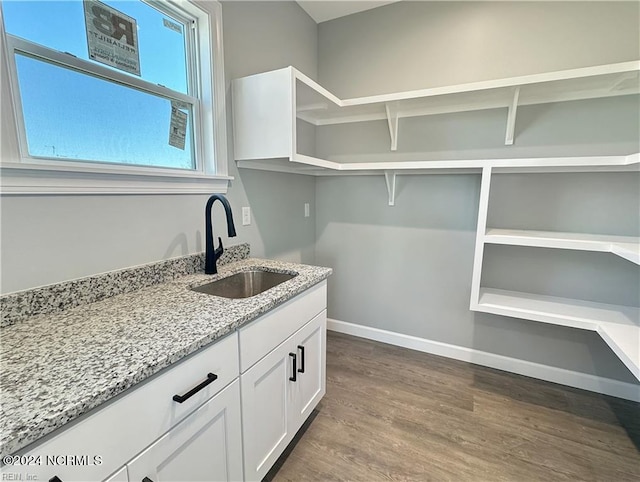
{"type": "Point", "coordinates": [396, 414]}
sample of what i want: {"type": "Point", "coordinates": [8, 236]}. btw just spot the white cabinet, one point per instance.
{"type": "Point", "coordinates": [122, 428]}
{"type": "Point", "coordinates": [278, 394]}
{"type": "Point", "coordinates": [206, 446]}
{"type": "Point", "coordinates": [148, 435]}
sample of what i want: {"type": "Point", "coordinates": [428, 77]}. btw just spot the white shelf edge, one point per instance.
{"type": "Point", "coordinates": [402, 113]}
{"type": "Point", "coordinates": [275, 165]}
{"type": "Point", "coordinates": [624, 341]}
{"type": "Point", "coordinates": [510, 85]}
{"type": "Point", "coordinates": [316, 162]}
{"type": "Point", "coordinates": [302, 164]}
{"type": "Point", "coordinates": [617, 68]}
{"type": "Point", "coordinates": [523, 305]}
{"type": "Point", "coordinates": [538, 162]}
{"type": "Point", "coordinates": [535, 162]}
{"type": "Point", "coordinates": [586, 315]}
{"type": "Point", "coordinates": [317, 87]}
{"type": "Point", "coordinates": [628, 251]}
{"type": "Point", "coordinates": [619, 326]}
{"type": "Point", "coordinates": [627, 247]}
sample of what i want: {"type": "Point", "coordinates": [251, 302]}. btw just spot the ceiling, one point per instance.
{"type": "Point", "coordinates": [321, 11]}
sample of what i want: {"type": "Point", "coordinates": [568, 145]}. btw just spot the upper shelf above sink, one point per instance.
{"type": "Point", "coordinates": [244, 284]}
{"type": "Point", "coordinates": [318, 106]}
{"type": "Point", "coordinates": [277, 114]}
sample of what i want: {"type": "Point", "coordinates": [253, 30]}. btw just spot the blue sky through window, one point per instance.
{"type": "Point", "coordinates": [70, 115]}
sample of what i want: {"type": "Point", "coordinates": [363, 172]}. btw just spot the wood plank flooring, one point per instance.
{"type": "Point", "coordinates": [396, 414]}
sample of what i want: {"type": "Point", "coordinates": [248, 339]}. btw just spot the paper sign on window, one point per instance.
{"type": "Point", "coordinates": [178, 126]}
{"type": "Point", "coordinates": [112, 37]}
{"type": "Point", "coordinates": [172, 25]}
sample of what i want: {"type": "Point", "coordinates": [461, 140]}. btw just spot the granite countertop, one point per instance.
{"type": "Point", "coordinates": [55, 367]}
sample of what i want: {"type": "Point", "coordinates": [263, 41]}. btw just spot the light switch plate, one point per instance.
{"type": "Point", "coordinates": [306, 210]}
{"type": "Point", "coordinates": [246, 216]}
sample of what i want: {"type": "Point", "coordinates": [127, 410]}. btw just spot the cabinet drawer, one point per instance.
{"type": "Point", "coordinates": [207, 445]}
{"type": "Point", "coordinates": [262, 335]}
{"type": "Point", "coordinates": [117, 431]}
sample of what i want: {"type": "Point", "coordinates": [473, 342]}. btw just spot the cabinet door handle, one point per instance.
{"type": "Point", "coordinates": [295, 369]}
{"type": "Point", "coordinates": [301, 369]}
{"type": "Point", "coordinates": [211, 377]}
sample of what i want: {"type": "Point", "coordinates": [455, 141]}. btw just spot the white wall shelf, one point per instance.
{"type": "Point", "coordinates": [627, 247]}
{"type": "Point", "coordinates": [619, 326]}
{"type": "Point", "coordinates": [268, 106]}
{"type": "Point", "coordinates": [573, 313]}
{"type": "Point", "coordinates": [575, 84]}
{"type": "Point", "coordinates": [312, 166]}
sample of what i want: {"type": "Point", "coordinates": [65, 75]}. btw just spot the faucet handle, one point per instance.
{"type": "Point", "coordinates": [219, 250]}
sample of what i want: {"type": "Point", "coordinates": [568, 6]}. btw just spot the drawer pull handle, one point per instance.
{"type": "Point", "coordinates": [301, 369]}
{"type": "Point", "coordinates": [211, 377]}
{"type": "Point", "coordinates": [55, 478]}
{"type": "Point", "coordinates": [295, 369]}
{"type": "Point", "coordinates": [147, 479]}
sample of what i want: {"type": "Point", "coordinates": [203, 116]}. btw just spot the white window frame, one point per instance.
{"type": "Point", "coordinates": [22, 174]}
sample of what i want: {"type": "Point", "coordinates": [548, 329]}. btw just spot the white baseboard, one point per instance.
{"type": "Point", "coordinates": [606, 386]}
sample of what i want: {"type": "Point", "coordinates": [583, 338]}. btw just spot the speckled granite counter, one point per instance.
{"type": "Point", "coordinates": [55, 367]}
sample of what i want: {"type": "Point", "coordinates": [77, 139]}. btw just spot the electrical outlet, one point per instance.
{"type": "Point", "coordinates": [306, 210]}
{"type": "Point", "coordinates": [246, 216]}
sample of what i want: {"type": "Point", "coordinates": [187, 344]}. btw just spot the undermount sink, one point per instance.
{"type": "Point", "coordinates": [244, 284]}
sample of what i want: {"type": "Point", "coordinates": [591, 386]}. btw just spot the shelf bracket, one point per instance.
{"type": "Point", "coordinates": [392, 118]}
{"type": "Point", "coordinates": [390, 179]}
{"type": "Point", "coordinates": [511, 117]}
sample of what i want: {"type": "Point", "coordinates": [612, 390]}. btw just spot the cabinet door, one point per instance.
{"type": "Point", "coordinates": [266, 404]}
{"type": "Point", "coordinates": [310, 344]}
{"type": "Point", "coordinates": [206, 446]}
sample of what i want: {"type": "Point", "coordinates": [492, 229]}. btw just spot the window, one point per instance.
{"type": "Point", "coordinates": [124, 88]}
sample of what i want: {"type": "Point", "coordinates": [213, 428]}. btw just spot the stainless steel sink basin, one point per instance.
{"type": "Point", "coordinates": [244, 284]}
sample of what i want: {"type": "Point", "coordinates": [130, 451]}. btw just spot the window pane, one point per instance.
{"type": "Point", "coordinates": [60, 25]}
{"type": "Point", "coordinates": [76, 116]}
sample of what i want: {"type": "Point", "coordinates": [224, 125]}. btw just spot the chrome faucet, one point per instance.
{"type": "Point", "coordinates": [211, 255]}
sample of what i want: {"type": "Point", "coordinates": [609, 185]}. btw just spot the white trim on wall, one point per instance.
{"type": "Point", "coordinates": [29, 179]}
{"type": "Point", "coordinates": [584, 381]}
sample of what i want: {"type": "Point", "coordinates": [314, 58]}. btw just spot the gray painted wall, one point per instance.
{"type": "Point", "coordinates": [263, 36]}
{"type": "Point", "coordinates": [605, 203]}
{"type": "Point", "coordinates": [413, 45]}
{"type": "Point", "coordinates": [587, 127]}
{"type": "Point", "coordinates": [47, 239]}
{"type": "Point", "coordinates": [407, 268]}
